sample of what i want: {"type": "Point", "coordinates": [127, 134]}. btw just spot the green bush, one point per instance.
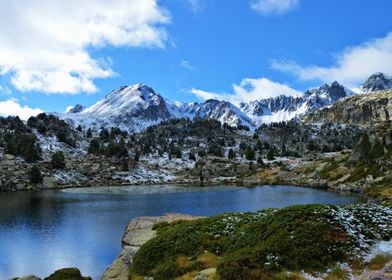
{"type": "Point", "coordinates": [288, 240]}
{"type": "Point", "coordinates": [67, 274]}
{"type": "Point", "coordinates": [379, 261]}
{"type": "Point", "coordinates": [168, 270]}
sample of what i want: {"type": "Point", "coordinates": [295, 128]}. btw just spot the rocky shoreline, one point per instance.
{"type": "Point", "coordinates": [137, 232]}
{"type": "Point", "coordinates": [283, 171]}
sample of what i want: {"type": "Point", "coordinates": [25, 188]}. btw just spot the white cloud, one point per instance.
{"type": "Point", "coordinates": [49, 45]}
{"type": "Point", "coordinates": [191, 68]}
{"type": "Point", "coordinates": [351, 67]}
{"type": "Point", "coordinates": [273, 7]}
{"type": "Point", "coordinates": [196, 5]}
{"type": "Point", "coordinates": [5, 91]}
{"type": "Point", "coordinates": [11, 107]}
{"type": "Point", "coordinates": [249, 90]}
{"type": "Point", "coordinates": [68, 108]}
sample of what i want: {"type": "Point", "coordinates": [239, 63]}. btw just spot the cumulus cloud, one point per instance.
{"type": "Point", "coordinates": [249, 90]}
{"type": "Point", "coordinates": [351, 67]}
{"type": "Point", "coordinates": [273, 7]}
{"type": "Point", "coordinates": [11, 107]}
{"type": "Point", "coordinates": [49, 45]}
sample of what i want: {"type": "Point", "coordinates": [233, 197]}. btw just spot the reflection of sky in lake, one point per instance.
{"type": "Point", "coordinates": [44, 231]}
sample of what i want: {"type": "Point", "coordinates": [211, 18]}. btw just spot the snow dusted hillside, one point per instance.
{"type": "Point", "coordinates": [136, 107]}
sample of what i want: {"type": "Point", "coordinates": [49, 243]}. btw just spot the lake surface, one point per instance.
{"type": "Point", "coordinates": [47, 230]}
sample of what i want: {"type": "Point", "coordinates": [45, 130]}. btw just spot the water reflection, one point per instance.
{"type": "Point", "coordinates": [43, 231]}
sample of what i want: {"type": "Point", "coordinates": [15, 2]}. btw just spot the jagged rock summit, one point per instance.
{"type": "Point", "coordinates": [283, 108]}
{"type": "Point", "coordinates": [376, 82]}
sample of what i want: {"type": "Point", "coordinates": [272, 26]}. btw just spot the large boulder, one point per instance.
{"type": "Point", "coordinates": [48, 183]}
{"type": "Point", "coordinates": [138, 232]}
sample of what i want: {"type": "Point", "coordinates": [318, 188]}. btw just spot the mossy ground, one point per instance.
{"type": "Point", "coordinates": [262, 244]}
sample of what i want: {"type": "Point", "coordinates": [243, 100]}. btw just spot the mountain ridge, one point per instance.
{"type": "Point", "coordinates": [135, 107]}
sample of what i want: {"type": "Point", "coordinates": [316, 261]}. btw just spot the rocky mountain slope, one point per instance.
{"type": "Point", "coordinates": [133, 108]}
{"type": "Point", "coordinates": [359, 109]}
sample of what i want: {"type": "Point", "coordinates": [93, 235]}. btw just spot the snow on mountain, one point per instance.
{"type": "Point", "coordinates": [284, 108]}
{"type": "Point", "coordinates": [130, 108]}
{"type": "Point", "coordinates": [136, 107]}
{"type": "Point", "coordinates": [223, 111]}
{"type": "Point", "coordinates": [376, 82]}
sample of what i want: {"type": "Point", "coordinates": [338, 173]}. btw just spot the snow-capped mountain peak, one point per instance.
{"type": "Point", "coordinates": [377, 81]}
{"type": "Point", "coordinates": [283, 108]}
{"type": "Point", "coordinates": [136, 107]}
{"type": "Point", "coordinates": [127, 100]}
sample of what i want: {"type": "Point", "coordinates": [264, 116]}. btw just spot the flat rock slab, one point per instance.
{"type": "Point", "coordinates": [383, 274]}
{"type": "Point", "coordinates": [137, 232]}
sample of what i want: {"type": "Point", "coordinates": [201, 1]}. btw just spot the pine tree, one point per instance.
{"type": "Point", "coordinates": [58, 160]}
{"type": "Point", "coordinates": [231, 154]}
{"type": "Point", "coordinates": [192, 156]}
{"type": "Point", "coordinates": [249, 153]}
{"type": "Point", "coordinates": [94, 147]}
{"type": "Point", "coordinates": [35, 175]}
{"type": "Point", "coordinates": [270, 154]}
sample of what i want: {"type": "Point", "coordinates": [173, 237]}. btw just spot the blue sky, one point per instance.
{"type": "Point", "coordinates": [187, 50]}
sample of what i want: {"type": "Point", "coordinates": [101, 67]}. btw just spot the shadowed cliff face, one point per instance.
{"type": "Point", "coordinates": [358, 109]}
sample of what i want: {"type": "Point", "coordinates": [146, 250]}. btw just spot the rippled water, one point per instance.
{"type": "Point", "coordinates": [47, 230]}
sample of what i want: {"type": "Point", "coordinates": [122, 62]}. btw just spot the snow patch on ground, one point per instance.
{"type": "Point", "coordinates": [380, 247]}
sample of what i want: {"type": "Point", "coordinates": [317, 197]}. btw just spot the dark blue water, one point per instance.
{"type": "Point", "coordinates": [47, 230]}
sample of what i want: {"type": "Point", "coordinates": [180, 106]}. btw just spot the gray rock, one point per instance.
{"type": "Point", "coordinates": [138, 232]}
{"type": "Point", "coordinates": [48, 183]}
{"type": "Point", "coordinates": [9, 157]}
{"type": "Point", "coordinates": [204, 274]}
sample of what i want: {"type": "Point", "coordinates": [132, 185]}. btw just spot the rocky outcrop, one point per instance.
{"type": "Point", "coordinates": [138, 232]}
{"type": "Point", "coordinates": [358, 109]}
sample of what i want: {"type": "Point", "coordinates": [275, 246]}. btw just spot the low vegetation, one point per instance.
{"type": "Point", "coordinates": [265, 244]}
